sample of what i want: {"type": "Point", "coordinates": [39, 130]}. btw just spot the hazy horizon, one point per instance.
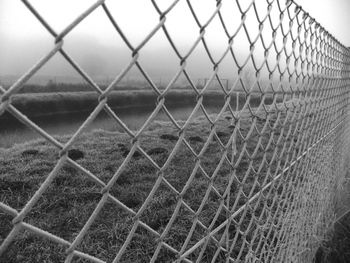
{"type": "Point", "coordinates": [100, 51]}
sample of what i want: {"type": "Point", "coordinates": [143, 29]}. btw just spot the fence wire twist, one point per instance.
{"type": "Point", "coordinates": [283, 160]}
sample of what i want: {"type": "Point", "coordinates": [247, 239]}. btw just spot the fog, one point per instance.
{"type": "Point", "coordinates": [99, 50]}
{"type": "Point", "coordinates": [103, 61]}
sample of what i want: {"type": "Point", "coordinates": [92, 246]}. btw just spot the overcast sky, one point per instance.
{"type": "Point", "coordinates": [98, 48]}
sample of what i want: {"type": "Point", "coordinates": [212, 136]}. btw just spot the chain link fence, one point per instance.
{"type": "Point", "coordinates": [255, 183]}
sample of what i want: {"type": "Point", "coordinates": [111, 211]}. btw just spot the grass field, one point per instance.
{"type": "Point", "coordinates": [71, 198]}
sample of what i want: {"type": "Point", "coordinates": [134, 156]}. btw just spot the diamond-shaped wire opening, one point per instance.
{"type": "Point", "coordinates": [252, 138]}
{"type": "Point", "coordinates": [108, 232]}
{"type": "Point", "coordinates": [252, 23]}
{"type": "Point", "coordinates": [62, 209]}
{"type": "Point", "coordinates": [240, 48]}
{"type": "Point", "coordinates": [101, 55]}
{"type": "Point", "coordinates": [245, 231]}
{"type": "Point", "coordinates": [198, 71]}
{"type": "Point", "coordinates": [135, 182]}
{"type": "Point", "coordinates": [182, 226]}
{"type": "Point", "coordinates": [231, 16]}
{"type": "Point", "coordinates": [198, 134]}
{"type": "Point", "coordinates": [127, 96]}
{"type": "Point", "coordinates": [227, 74]}
{"type": "Point", "coordinates": [208, 250]}
{"type": "Point", "coordinates": [216, 103]}
{"type": "Point", "coordinates": [27, 243]}
{"type": "Point", "coordinates": [212, 157]}
{"type": "Point", "coordinates": [162, 69]}
{"type": "Point", "coordinates": [197, 190]}
{"type": "Point", "coordinates": [178, 34]}
{"type": "Point", "coordinates": [115, 147]}
{"type": "Point", "coordinates": [215, 39]}
{"type": "Point", "coordinates": [179, 104]}
{"type": "Point", "coordinates": [237, 247]}
{"type": "Point", "coordinates": [145, 11]}
{"type": "Point", "coordinates": [180, 166]}
{"type": "Point", "coordinates": [222, 176]}
{"type": "Point", "coordinates": [262, 218]}
{"type": "Point", "coordinates": [140, 246]}
{"type": "Point", "coordinates": [211, 208]}
{"type": "Point", "coordinates": [274, 16]}
{"type": "Point", "coordinates": [160, 208]}
{"type": "Point", "coordinates": [250, 182]}
{"type": "Point", "coordinates": [31, 166]}
{"type": "Point", "coordinates": [197, 234]}
{"type": "Point", "coordinates": [226, 233]}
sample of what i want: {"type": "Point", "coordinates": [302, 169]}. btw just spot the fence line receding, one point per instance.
{"type": "Point", "coordinates": [255, 183]}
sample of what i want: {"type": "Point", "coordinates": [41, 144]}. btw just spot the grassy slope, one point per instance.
{"type": "Point", "coordinates": [71, 198]}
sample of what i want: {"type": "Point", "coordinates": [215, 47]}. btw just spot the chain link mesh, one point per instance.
{"type": "Point", "coordinates": [278, 170]}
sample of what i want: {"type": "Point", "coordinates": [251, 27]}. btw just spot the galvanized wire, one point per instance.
{"type": "Point", "coordinates": [300, 139]}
